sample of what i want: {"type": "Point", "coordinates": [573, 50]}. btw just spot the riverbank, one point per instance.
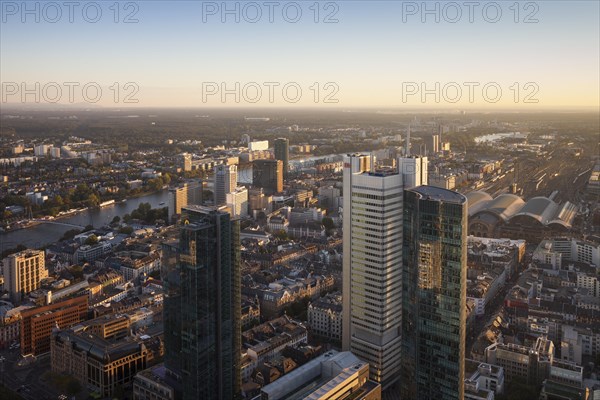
{"type": "Point", "coordinates": [25, 224]}
{"type": "Point", "coordinates": [41, 234]}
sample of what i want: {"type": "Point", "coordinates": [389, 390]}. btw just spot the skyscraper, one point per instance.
{"type": "Point", "coordinates": [181, 196]}
{"type": "Point", "coordinates": [268, 174]}
{"type": "Point", "coordinates": [282, 152]}
{"type": "Point", "coordinates": [237, 201]}
{"type": "Point", "coordinates": [414, 170]}
{"type": "Point", "coordinates": [201, 275]}
{"type": "Point", "coordinates": [434, 294]}
{"type": "Point", "coordinates": [225, 182]}
{"type": "Point", "coordinates": [372, 272]}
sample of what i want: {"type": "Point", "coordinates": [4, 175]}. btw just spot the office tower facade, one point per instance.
{"type": "Point", "coordinates": [237, 201]}
{"type": "Point", "coordinates": [186, 161]}
{"type": "Point", "coordinates": [372, 272]}
{"type": "Point", "coordinates": [414, 170]}
{"type": "Point", "coordinates": [201, 277]}
{"type": "Point", "coordinates": [434, 294]}
{"type": "Point", "coordinates": [23, 272]}
{"type": "Point", "coordinates": [281, 148]}
{"type": "Point", "coordinates": [268, 175]}
{"type": "Point", "coordinates": [432, 143]}
{"type": "Point", "coordinates": [181, 196]}
{"type": "Point", "coordinates": [225, 182]}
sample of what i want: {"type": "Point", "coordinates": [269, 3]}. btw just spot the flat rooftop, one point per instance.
{"type": "Point", "coordinates": [436, 193]}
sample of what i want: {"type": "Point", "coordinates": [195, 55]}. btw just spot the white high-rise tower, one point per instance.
{"type": "Point", "coordinates": [372, 272]}
{"type": "Point", "coordinates": [225, 182]}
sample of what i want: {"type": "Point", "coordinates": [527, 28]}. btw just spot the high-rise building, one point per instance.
{"type": "Point", "coordinates": [181, 196]}
{"type": "Point", "coordinates": [23, 272]}
{"type": "Point", "coordinates": [281, 148]}
{"type": "Point", "coordinates": [258, 200]}
{"type": "Point", "coordinates": [372, 272]}
{"type": "Point", "coordinates": [225, 182]}
{"type": "Point", "coordinates": [201, 277]}
{"type": "Point", "coordinates": [268, 174]}
{"type": "Point", "coordinates": [414, 170]}
{"type": "Point", "coordinates": [434, 283]}
{"type": "Point", "coordinates": [432, 142]}
{"type": "Point", "coordinates": [237, 201]}
{"type": "Point", "coordinates": [177, 200]}
{"type": "Point", "coordinates": [186, 161]}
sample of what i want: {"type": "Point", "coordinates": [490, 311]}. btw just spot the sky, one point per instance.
{"type": "Point", "coordinates": [383, 54]}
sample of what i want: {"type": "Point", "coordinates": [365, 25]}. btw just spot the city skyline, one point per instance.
{"type": "Point", "coordinates": [285, 200]}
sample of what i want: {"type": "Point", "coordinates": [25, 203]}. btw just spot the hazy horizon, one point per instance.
{"type": "Point", "coordinates": [346, 54]}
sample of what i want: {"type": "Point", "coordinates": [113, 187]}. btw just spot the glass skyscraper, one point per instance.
{"type": "Point", "coordinates": [281, 148]}
{"type": "Point", "coordinates": [201, 277]}
{"type": "Point", "coordinates": [434, 294]}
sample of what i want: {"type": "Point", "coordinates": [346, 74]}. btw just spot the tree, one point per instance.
{"type": "Point", "coordinates": [127, 230]}
{"type": "Point", "coordinates": [328, 223]}
{"type": "Point", "coordinates": [91, 240]}
{"type": "Point", "coordinates": [77, 272]}
{"type": "Point", "coordinates": [155, 184]}
{"type": "Point", "coordinates": [281, 235]}
{"type": "Point", "coordinates": [116, 220]}
{"type": "Point", "coordinates": [8, 252]}
{"type": "Point", "coordinates": [73, 387]}
{"type": "Point", "coordinates": [58, 201]}
{"type": "Point", "coordinates": [70, 234]}
{"type": "Point", "coordinates": [93, 200]}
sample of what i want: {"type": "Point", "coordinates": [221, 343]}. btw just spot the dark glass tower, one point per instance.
{"type": "Point", "coordinates": [281, 149]}
{"type": "Point", "coordinates": [201, 276]}
{"type": "Point", "coordinates": [268, 174]}
{"type": "Point", "coordinates": [434, 294]}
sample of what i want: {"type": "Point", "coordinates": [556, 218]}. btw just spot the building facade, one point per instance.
{"type": "Point", "coordinates": [434, 294]}
{"type": "Point", "coordinates": [100, 363]}
{"type": "Point", "coordinates": [23, 272]}
{"type": "Point", "coordinates": [237, 201]}
{"type": "Point", "coordinates": [37, 323]}
{"type": "Point", "coordinates": [281, 148]}
{"type": "Point", "coordinates": [332, 375]}
{"type": "Point", "coordinates": [372, 271]}
{"type": "Point", "coordinates": [181, 196]}
{"type": "Point", "coordinates": [225, 182]}
{"type": "Point", "coordinates": [268, 175]}
{"type": "Point", "coordinates": [325, 317]}
{"type": "Point", "coordinates": [201, 276]}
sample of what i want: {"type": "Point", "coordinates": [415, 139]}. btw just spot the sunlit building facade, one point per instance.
{"type": "Point", "coordinates": [281, 148]}
{"type": "Point", "coordinates": [434, 294]}
{"type": "Point", "coordinates": [372, 272]}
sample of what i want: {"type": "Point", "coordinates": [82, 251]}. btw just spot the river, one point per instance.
{"type": "Point", "coordinates": [45, 233]}
{"type": "Point", "coordinates": [498, 136]}
{"type": "Point", "coordinates": [245, 170]}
